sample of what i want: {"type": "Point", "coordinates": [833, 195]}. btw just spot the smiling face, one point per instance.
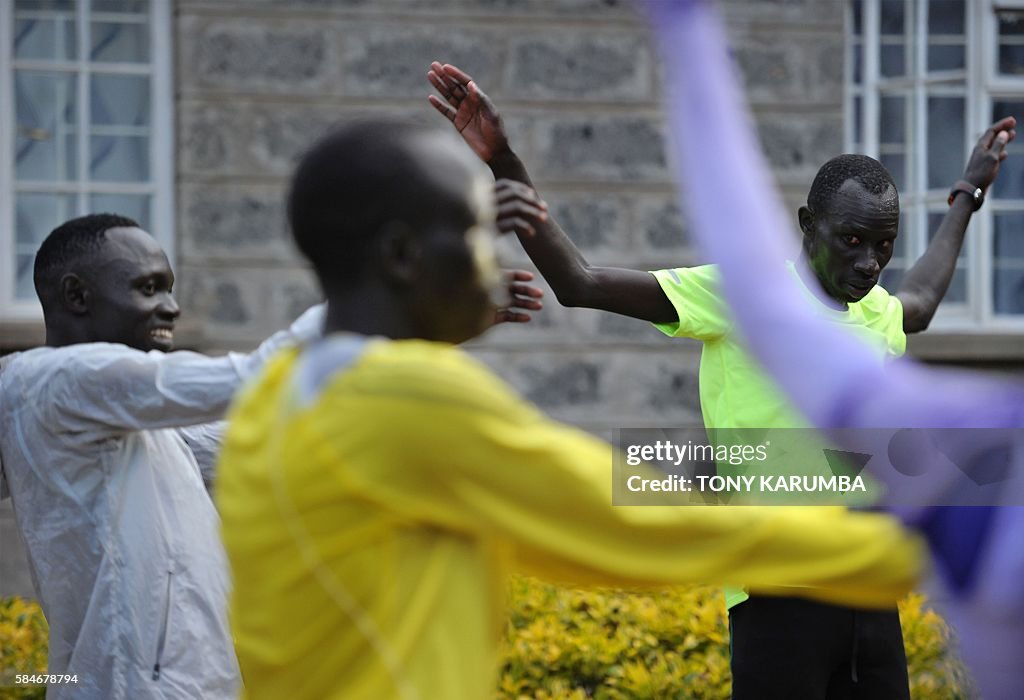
{"type": "Point", "coordinates": [848, 245]}
{"type": "Point", "coordinates": [129, 292]}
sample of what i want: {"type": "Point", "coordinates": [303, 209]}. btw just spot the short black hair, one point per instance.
{"type": "Point", "coordinates": [866, 171]}
{"type": "Point", "coordinates": [68, 244]}
{"type": "Point", "coordinates": [359, 179]}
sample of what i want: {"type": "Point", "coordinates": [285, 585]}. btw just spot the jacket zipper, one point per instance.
{"type": "Point", "coordinates": [163, 630]}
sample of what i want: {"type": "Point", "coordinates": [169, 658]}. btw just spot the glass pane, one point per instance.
{"type": "Point", "coordinates": [119, 99]}
{"type": "Point", "coordinates": [858, 108]}
{"type": "Point", "coordinates": [1008, 291]}
{"type": "Point", "coordinates": [1011, 59]}
{"type": "Point", "coordinates": [1010, 23]}
{"type": "Point", "coordinates": [1010, 183]}
{"type": "Point", "coordinates": [44, 5]}
{"type": "Point", "coordinates": [45, 111]}
{"type": "Point", "coordinates": [127, 43]}
{"type": "Point", "coordinates": [896, 163]}
{"type": "Point", "coordinates": [892, 16]}
{"type": "Point", "coordinates": [946, 16]}
{"type": "Point", "coordinates": [891, 277]}
{"type": "Point", "coordinates": [945, 152]}
{"type": "Point", "coordinates": [119, 158]}
{"type": "Point", "coordinates": [858, 63]}
{"type": "Point", "coordinates": [1011, 36]}
{"type": "Point", "coordinates": [1008, 235]}
{"type": "Point", "coordinates": [892, 120]}
{"type": "Point", "coordinates": [38, 213]}
{"type": "Point", "coordinates": [134, 206]}
{"type": "Point", "coordinates": [858, 17]}
{"type": "Point", "coordinates": [946, 57]}
{"type": "Point", "coordinates": [893, 60]}
{"type": "Point", "coordinates": [44, 39]}
{"type": "Point", "coordinates": [23, 286]}
{"type": "Point", "coordinates": [132, 6]}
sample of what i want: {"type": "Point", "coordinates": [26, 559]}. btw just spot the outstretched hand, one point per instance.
{"type": "Point", "coordinates": [470, 110]}
{"type": "Point", "coordinates": [520, 208]}
{"type": "Point", "coordinates": [983, 165]}
{"type": "Point", "coordinates": [522, 298]}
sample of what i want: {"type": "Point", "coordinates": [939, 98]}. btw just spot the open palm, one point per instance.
{"type": "Point", "coordinates": [469, 109]}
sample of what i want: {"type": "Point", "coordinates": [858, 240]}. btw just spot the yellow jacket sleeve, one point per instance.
{"type": "Point", "coordinates": [448, 443]}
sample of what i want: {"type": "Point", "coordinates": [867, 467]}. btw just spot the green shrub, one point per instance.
{"type": "Point", "coordinates": [23, 640]}
{"type": "Point", "coordinates": [569, 644]}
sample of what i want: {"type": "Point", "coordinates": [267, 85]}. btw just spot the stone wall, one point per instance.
{"type": "Point", "coordinates": [579, 86]}
{"type": "Point", "coordinates": [258, 80]}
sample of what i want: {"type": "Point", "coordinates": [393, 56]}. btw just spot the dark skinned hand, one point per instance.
{"type": "Point", "coordinates": [470, 110]}
{"type": "Point", "coordinates": [518, 207]}
{"type": "Point", "coordinates": [983, 165]}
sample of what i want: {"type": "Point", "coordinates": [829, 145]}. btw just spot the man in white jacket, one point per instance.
{"type": "Point", "coordinates": [106, 443]}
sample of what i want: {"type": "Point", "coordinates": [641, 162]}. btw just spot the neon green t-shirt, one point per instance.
{"type": "Point", "coordinates": [734, 391]}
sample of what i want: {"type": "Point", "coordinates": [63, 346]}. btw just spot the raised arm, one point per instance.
{"type": "Point", "coordinates": [926, 282]}
{"type": "Point", "coordinates": [574, 281]}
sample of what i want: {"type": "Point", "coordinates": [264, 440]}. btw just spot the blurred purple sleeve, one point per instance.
{"type": "Point", "coordinates": [832, 377]}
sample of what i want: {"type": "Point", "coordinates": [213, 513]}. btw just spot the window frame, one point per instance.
{"type": "Point", "coordinates": [161, 142]}
{"type": "Point", "coordinates": [981, 86]}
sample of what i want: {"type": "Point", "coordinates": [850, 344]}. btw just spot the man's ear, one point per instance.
{"type": "Point", "coordinates": [74, 296]}
{"type": "Point", "coordinates": [806, 220]}
{"type": "Point", "coordinates": [398, 253]}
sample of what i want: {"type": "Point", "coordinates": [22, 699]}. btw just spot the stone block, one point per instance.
{"type": "Point", "coordinates": [581, 65]}
{"type": "Point", "coordinates": [620, 148]}
{"type": "Point", "coordinates": [782, 69]}
{"type": "Point", "coordinates": [209, 138]}
{"type": "Point", "coordinates": [611, 9]}
{"type": "Point", "coordinates": [230, 303]}
{"type": "Point", "coordinates": [662, 388]}
{"type": "Point", "coordinates": [235, 222]}
{"type": "Point", "coordinates": [797, 145]}
{"type": "Point", "coordinates": [568, 385]}
{"type": "Point", "coordinates": [826, 14]}
{"type": "Point", "coordinates": [392, 61]}
{"type": "Point", "coordinates": [592, 328]}
{"type": "Point", "coordinates": [259, 54]}
{"type": "Point", "coordinates": [597, 223]}
{"type": "Point", "coordinates": [659, 225]}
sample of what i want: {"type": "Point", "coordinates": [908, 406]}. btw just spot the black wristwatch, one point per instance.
{"type": "Point", "coordinates": [963, 186]}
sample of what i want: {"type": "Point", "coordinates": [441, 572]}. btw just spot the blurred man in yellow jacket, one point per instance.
{"type": "Point", "coordinates": [378, 485]}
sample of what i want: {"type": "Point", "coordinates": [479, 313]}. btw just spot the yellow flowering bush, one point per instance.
{"type": "Point", "coordinates": [569, 644]}
{"type": "Point", "coordinates": [23, 640]}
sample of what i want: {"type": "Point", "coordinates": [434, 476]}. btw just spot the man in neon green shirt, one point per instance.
{"type": "Point", "coordinates": [377, 485]}
{"type": "Point", "coordinates": [781, 648]}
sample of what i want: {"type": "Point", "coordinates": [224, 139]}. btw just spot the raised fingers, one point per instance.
{"type": "Point", "coordinates": [456, 74]}
{"type": "Point", "coordinates": [1006, 124]}
{"type": "Point", "coordinates": [447, 111]}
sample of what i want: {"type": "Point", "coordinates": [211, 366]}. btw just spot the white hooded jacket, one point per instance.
{"type": "Point", "coordinates": [105, 450]}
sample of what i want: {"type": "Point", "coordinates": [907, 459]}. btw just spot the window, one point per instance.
{"type": "Point", "coordinates": [924, 80]}
{"type": "Point", "coordinates": [87, 125]}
